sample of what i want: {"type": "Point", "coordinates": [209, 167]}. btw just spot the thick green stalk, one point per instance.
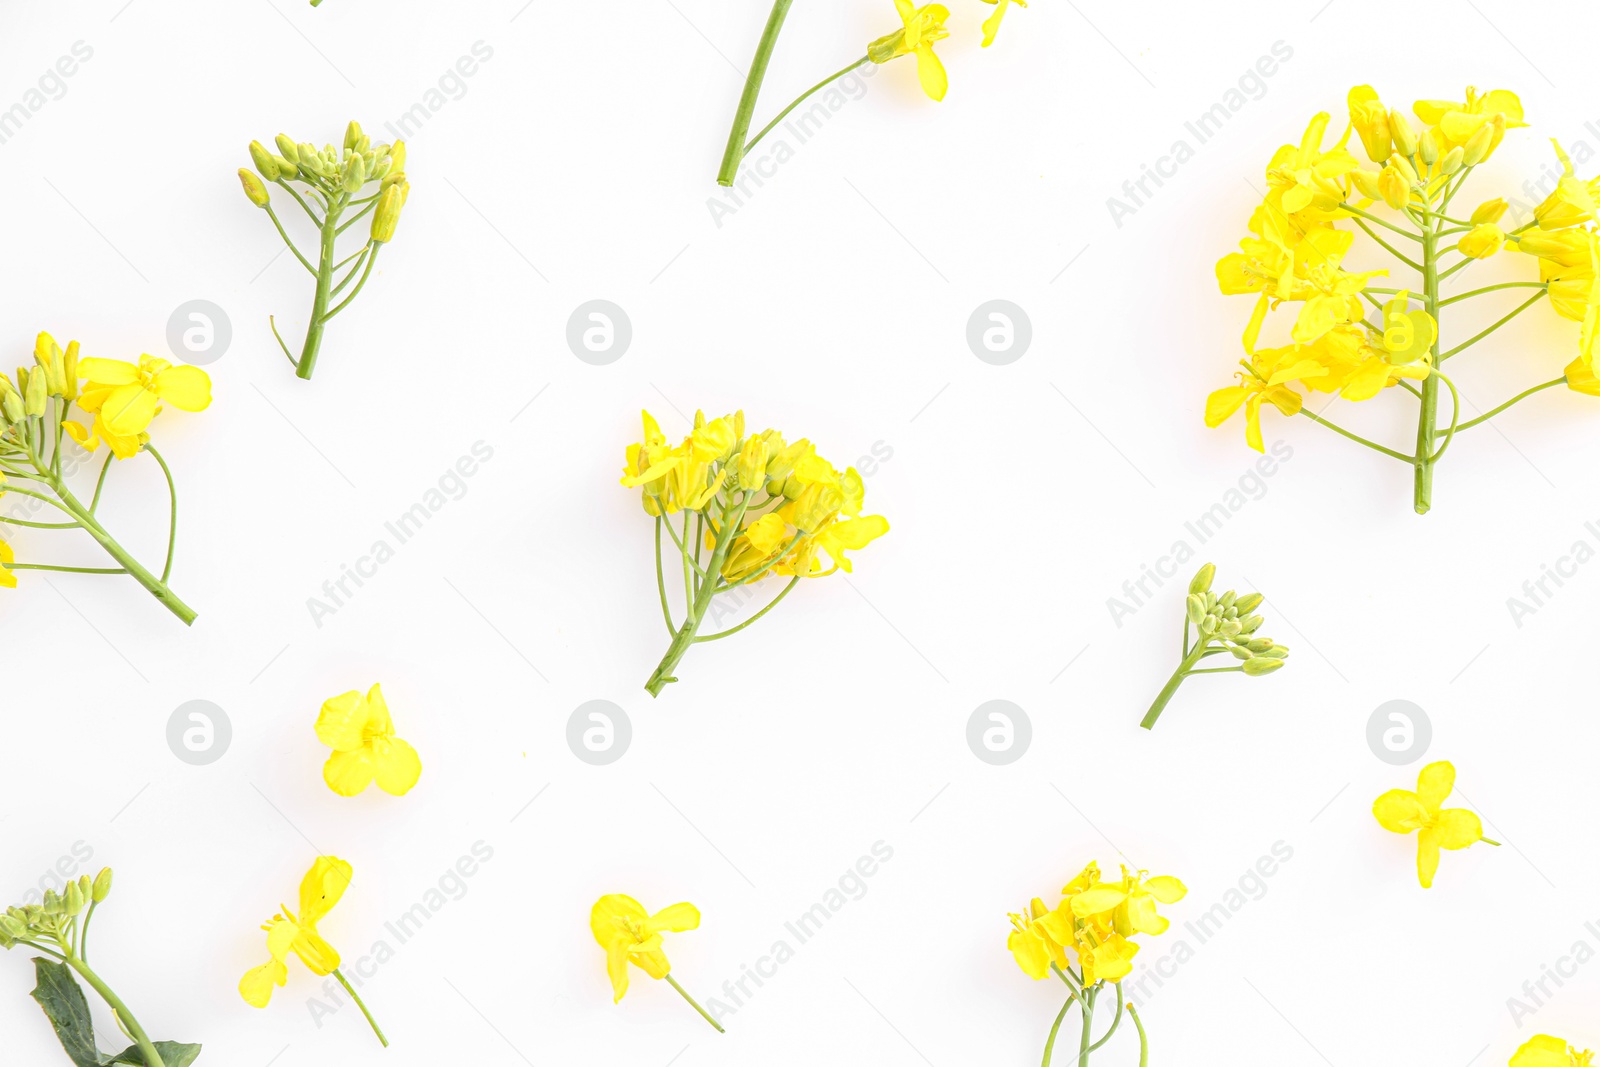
{"type": "Point", "coordinates": [699, 604]}
{"type": "Point", "coordinates": [1088, 1027]}
{"type": "Point", "coordinates": [1176, 680]}
{"type": "Point", "coordinates": [1050, 1044]}
{"type": "Point", "coordinates": [1427, 419]}
{"type": "Point", "coordinates": [734, 154]}
{"type": "Point", "coordinates": [319, 309]}
{"type": "Point", "coordinates": [152, 1058]}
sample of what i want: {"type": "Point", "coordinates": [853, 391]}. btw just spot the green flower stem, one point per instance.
{"type": "Point", "coordinates": [1427, 418]}
{"type": "Point", "coordinates": [1088, 1026]}
{"type": "Point", "coordinates": [1115, 1022]}
{"type": "Point", "coordinates": [1347, 206]}
{"type": "Point", "coordinates": [1524, 306]}
{"type": "Point", "coordinates": [365, 274]}
{"type": "Point", "coordinates": [1520, 396]}
{"type": "Point", "coordinates": [273, 215]}
{"type": "Point", "coordinates": [1050, 1043]}
{"type": "Point", "coordinates": [307, 363]}
{"type": "Point", "coordinates": [63, 570]}
{"type": "Point", "coordinates": [770, 605]}
{"type": "Point", "coordinates": [357, 998]}
{"type": "Point", "coordinates": [734, 154]}
{"type": "Point", "coordinates": [1491, 288]}
{"type": "Point", "coordinates": [661, 581]}
{"type": "Point", "coordinates": [1407, 260]}
{"type": "Point", "coordinates": [803, 97]}
{"type": "Point", "coordinates": [684, 993]}
{"type": "Point", "coordinates": [157, 587]}
{"type": "Point", "coordinates": [700, 600]}
{"type": "Point", "coordinates": [1144, 1043]}
{"type": "Point", "coordinates": [1358, 439]}
{"type": "Point", "coordinates": [1455, 414]}
{"type": "Point", "coordinates": [1171, 688]}
{"type": "Point", "coordinates": [147, 1048]}
{"type": "Point", "coordinates": [172, 522]}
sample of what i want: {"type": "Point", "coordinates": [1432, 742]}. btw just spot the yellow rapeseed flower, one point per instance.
{"type": "Point", "coordinates": [321, 889]}
{"type": "Point", "coordinates": [629, 934]}
{"type": "Point", "coordinates": [922, 27]}
{"type": "Point", "coordinates": [360, 732]}
{"type": "Point", "coordinates": [1402, 811]}
{"type": "Point", "coordinates": [126, 397]}
{"type": "Point", "coordinates": [1455, 122]}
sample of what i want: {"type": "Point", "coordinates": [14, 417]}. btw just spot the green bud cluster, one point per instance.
{"type": "Point", "coordinates": [55, 920]}
{"type": "Point", "coordinates": [1228, 621]}
{"type": "Point", "coordinates": [334, 173]}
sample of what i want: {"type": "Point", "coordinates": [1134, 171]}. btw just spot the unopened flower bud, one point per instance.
{"type": "Point", "coordinates": [264, 161]}
{"type": "Point", "coordinates": [397, 153]}
{"type": "Point", "coordinates": [1405, 139]}
{"type": "Point", "coordinates": [1229, 628]}
{"type": "Point", "coordinates": [1255, 667]}
{"type": "Point", "coordinates": [387, 216]}
{"type": "Point", "coordinates": [1490, 210]}
{"type": "Point", "coordinates": [1428, 148]}
{"type": "Point", "coordinates": [1248, 603]}
{"type": "Point", "coordinates": [102, 885]}
{"type": "Point", "coordinates": [1195, 607]}
{"type": "Point", "coordinates": [352, 134]}
{"type": "Point", "coordinates": [287, 148]}
{"type": "Point", "coordinates": [1250, 625]}
{"type": "Point", "coordinates": [355, 174]}
{"type": "Point", "coordinates": [1275, 652]}
{"type": "Point", "coordinates": [253, 188]}
{"type": "Point", "coordinates": [1393, 186]}
{"type": "Point", "coordinates": [37, 394]}
{"type": "Point", "coordinates": [74, 899]}
{"type": "Point", "coordinates": [1479, 145]}
{"type": "Point", "coordinates": [1484, 241]}
{"type": "Point", "coordinates": [1209, 624]}
{"type": "Point", "coordinates": [1403, 165]}
{"type": "Point", "coordinates": [1259, 644]}
{"type": "Point", "coordinates": [1452, 160]}
{"type": "Point", "coordinates": [753, 464]}
{"type": "Point", "coordinates": [69, 368]}
{"type": "Point", "coordinates": [1202, 581]}
{"type": "Point", "coordinates": [1366, 183]}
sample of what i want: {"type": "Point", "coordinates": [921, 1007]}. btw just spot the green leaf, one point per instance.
{"type": "Point", "coordinates": [67, 1009]}
{"type": "Point", "coordinates": [173, 1054]}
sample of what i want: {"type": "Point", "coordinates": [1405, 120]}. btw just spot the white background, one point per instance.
{"type": "Point", "coordinates": [833, 304]}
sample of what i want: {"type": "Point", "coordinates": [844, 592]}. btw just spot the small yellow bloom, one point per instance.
{"type": "Point", "coordinates": [1402, 811]}
{"type": "Point", "coordinates": [361, 734]}
{"type": "Point", "coordinates": [1455, 122]}
{"type": "Point", "coordinates": [126, 397]}
{"type": "Point", "coordinates": [922, 28]}
{"type": "Point", "coordinates": [1546, 1051]}
{"type": "Point", "coordinates": [1572, 203]}
{"type": "Point", "coordinates": [629, 934]}
{"type": "Point", "coordinates": [991, 25]}
{"type": "Point", "coordinates": [1262, 381]}
{"type": "Point", "coordinates": [320, 890]}
{"type": "Point", "coordinates": [1484, 241]}
{"type": "Point", "coordinates": [8, 580]}
{"type": "Point", "coordinates": [1371, 120]}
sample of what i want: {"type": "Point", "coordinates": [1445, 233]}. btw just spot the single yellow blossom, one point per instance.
{"type": "Point", "coordinates": [922, 28]}
{"type": "Point", "coordinates": [1402, 811]}
{"type": "Point", "coordinates": [1542, 1050]}
{"type": "Point", "coordinates": [629, 934]}
{"type": "Point", "coordinates": [1572, 202]}
{"type": "Point", "coordinates": [320, 890]}
{"type": "Point", "coordinates": [1262, 381]}
{"type": "Point", "coordinates": [1455, 122]}
{"type": "Point", "coordinates": [361, 734]}
{"type": "Point", "coordinates": [126, 397]}
{"type": "Point", "coordinates": [1371, 121]}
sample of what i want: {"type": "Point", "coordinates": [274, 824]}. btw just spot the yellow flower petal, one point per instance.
{"type": "Point", "coordinates": [931, 73]}
{"type": "Point", "coordinates": [1166, 889]}
{"type": "Point", "coordinates": [107, 371]}
{"type": "Point", "coordinates": [342, 723]}
{"type": "Point", "coordinates": [1427, 857]}
{"type": "Point", "coordinates": [1459, 828]}
{"type": "Point", "coordinates": [322, 888]}
{"type": "Point", "coordinates": [349, 773]}
{"type": "Point", "coordinates": [1029, 952]}
{"type": "Point", "coordinates": [1097, 900]}
{"type": "Point", "coordinates": [1399, 811]}
{"type": "Point", "coordinates": [128, 409]}
{"type": "Point", "coordinates": [184, 387]}
{"type": "Point", "coordinates": [674, 918]}
{"type": "Point", "coordinates": [397, 765]}
{"type": "Point", "coordinates": [257, 984]}
{"type": "Point", "coordinates": [1435, 783]}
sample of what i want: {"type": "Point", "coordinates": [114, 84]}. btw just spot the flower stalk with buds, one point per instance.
{"type": "Point", "coordinates": [335, 182]}
{"type": "Point", "coordinates": [58, 929]}
{"type": "Point", "coordinates": [747, 507]}
{"type": "Point", "coordinates": [118, 401]}
{"type": "Point", "coordinates": [1361, 341]}
{"type": "Point", "coordinates": [1222, 625]}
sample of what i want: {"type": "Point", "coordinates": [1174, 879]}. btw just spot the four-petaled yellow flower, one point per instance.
{"type": "Point", "coordinates": [320, 890]}
{"type": "Point", "coordinates": [922, 28]}
{"type": "Point", "coordinates": [1454, 123]}
{"type": "Point", "coordinates": [629, 934]}
{"type": "Point", "coordinates": [1261, 381]}
{"type": "Point", "coordinates": [124, 398]}
{"type": "Point", "coordinates": [1402, 811]}
{"type": "Point", "coordinates": [361, 734]}
{"type": "Point", "coordinates": [1545, 1051]}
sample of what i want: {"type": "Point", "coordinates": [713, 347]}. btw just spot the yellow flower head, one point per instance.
{"type": "Point", "coordinates": [1260, 382]}
{"type": "Point", "coordinates": [1402, 811]}
{"type": "Point", "coordinates": [124, 398]}
{"type": "Point", "coordinates": [361, 734]}
{"type": "Point", "coordinates": [991, 25]}
{"type": "Point", "coordinates": [922, 28]}
{"type": "Point", "coordinates": [629, 934]}
{"type": "Point", "coordinates": [1546, 1051]}
{"type": "Point", "coordinates": [320, 890]}
{"type": "Point", "coordinates": [1302, 176]}
{"type": "Point", "coordinates": [1454, 123]}
{"type": "Point", "coordinates": [1095, 922]}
